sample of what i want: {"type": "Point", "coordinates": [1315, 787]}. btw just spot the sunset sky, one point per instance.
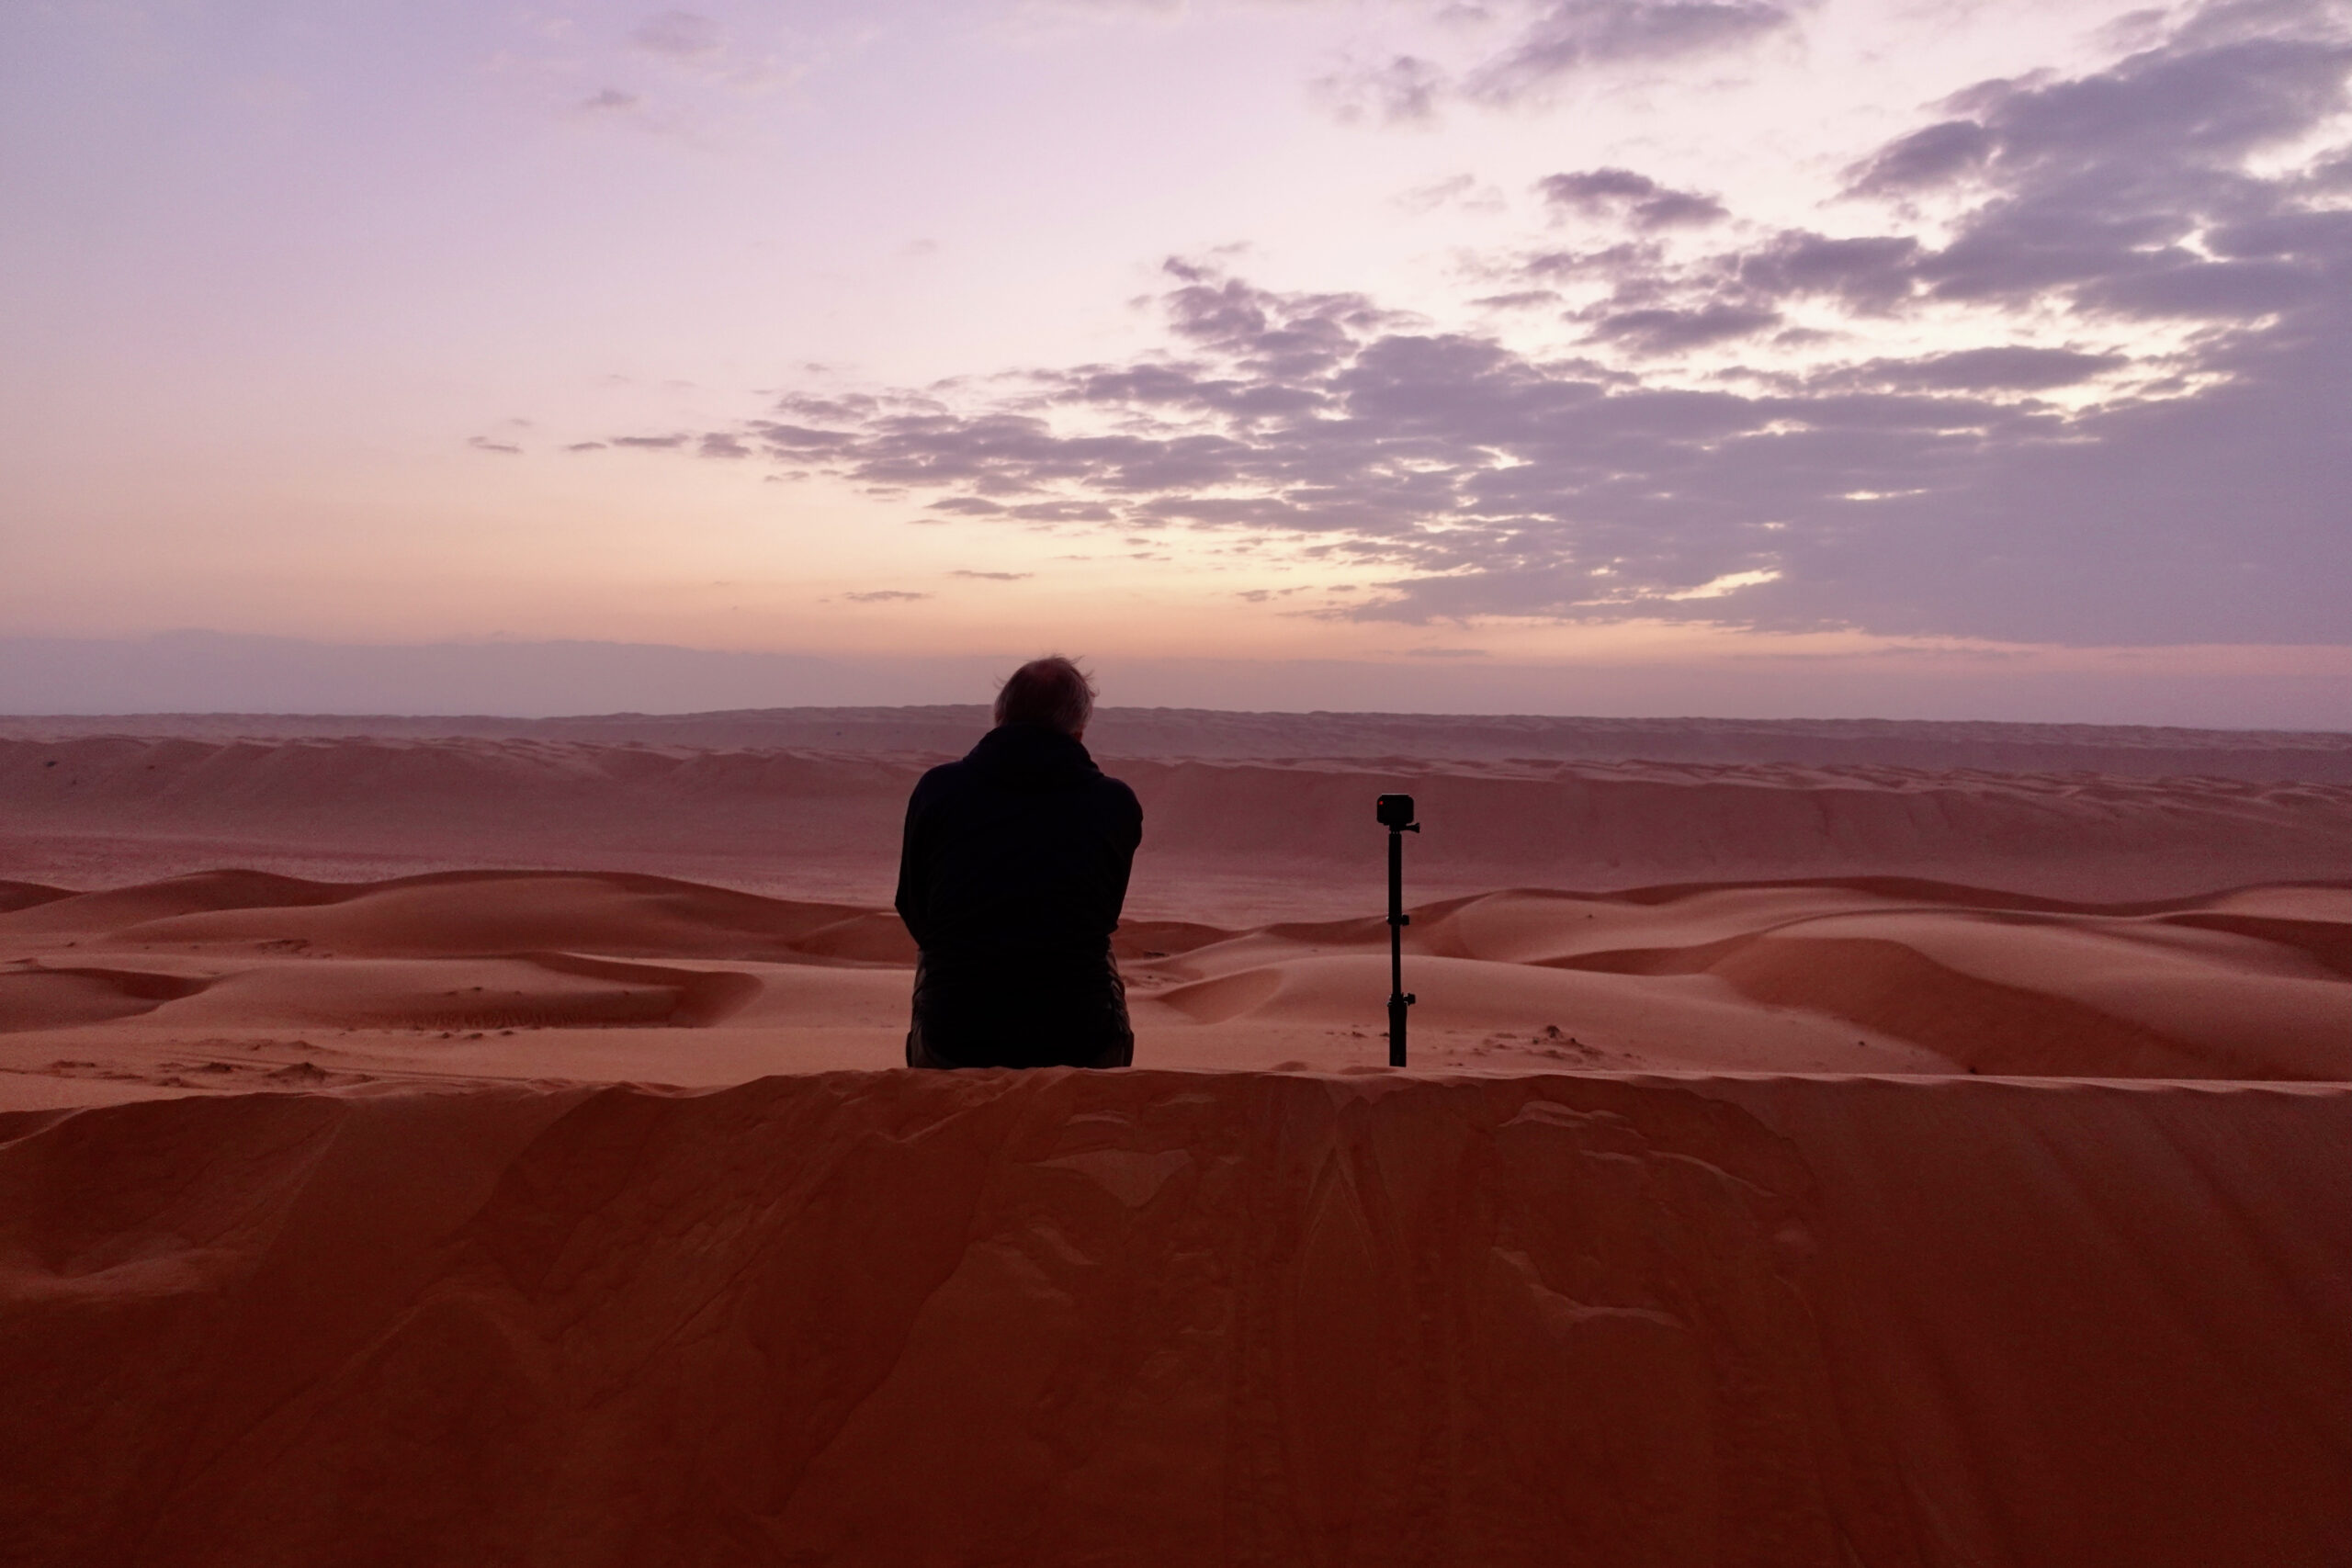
{"type": "Point", "coordinates": [1938, 359]}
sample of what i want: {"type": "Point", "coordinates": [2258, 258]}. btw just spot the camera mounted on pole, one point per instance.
{"type": "Point", "coordinates": [1394, 812]}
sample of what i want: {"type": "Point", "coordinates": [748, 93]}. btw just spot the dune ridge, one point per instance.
{"type": "Point", "coordinates": [1229, 839]}
{"type": "Point", "coordinates": [429, 1147]}
{"type": "Point", "coordinates": [544, 976]}
{"type": "Point", "coordinates": [2129, 750]}
{"type": "Point", "coordinates": [1178, 1318]}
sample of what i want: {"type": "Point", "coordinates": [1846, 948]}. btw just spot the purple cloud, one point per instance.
{"type": "Point", "coordinates": [681, 34]}
{"type": "Point", "coordinates": [1656, 331]}
{"type": "Point", "coordinates": [1571, 35]}
{"type": "Point", "coordinates": [2014, 368]}
{"type": "Point", "coordinates": [2198, 498]}
{"type": "Point", "coordinates": [1637, 198]}
{"type": "Point", "coordinates": [1552, 42]}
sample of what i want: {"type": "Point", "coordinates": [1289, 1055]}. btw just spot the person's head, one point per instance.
{"type": "Point", "coordinates": [1053, 691]}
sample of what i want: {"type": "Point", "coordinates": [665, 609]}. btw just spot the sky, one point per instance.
{"type": "Point", "coordinates": [1980, 358]}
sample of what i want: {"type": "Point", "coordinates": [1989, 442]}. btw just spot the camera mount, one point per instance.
{"type": "Point", "coordinates": [1394, 812]}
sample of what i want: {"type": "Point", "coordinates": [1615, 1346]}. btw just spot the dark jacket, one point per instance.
{"type": "Point", "coordinates": [1011, 878]}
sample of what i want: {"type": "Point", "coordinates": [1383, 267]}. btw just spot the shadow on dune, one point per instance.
{"type": "Point", "coordinates": [2246, 983]}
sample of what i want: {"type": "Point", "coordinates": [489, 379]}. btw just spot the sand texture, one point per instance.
{"type": "Point", "coordinates": [1183, 1318]}
{"type": "Point", "coordinates": [1234, 842]}
{"type": "Point", "coordinates": [226, 981]}
{"type": "Point", "coordinates": [474, 1142]}
{"type": "Point", "coordinates": [2128, 751]}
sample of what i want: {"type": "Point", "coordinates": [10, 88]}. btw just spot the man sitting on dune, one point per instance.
{"type": "Point", "coordinates": [1011, 877]}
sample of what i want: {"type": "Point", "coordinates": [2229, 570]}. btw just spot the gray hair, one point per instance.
{"type": "Point", "coordinates": [1052, 690]}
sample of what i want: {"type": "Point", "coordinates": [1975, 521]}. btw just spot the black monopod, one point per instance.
{"type": "Point", "coordinates": [1396, 813]}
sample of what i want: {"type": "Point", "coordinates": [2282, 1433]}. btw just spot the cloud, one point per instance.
{"type": "Point", "coordinates": [1574, 35]}
{"type": "Point", "coordinates": [484, 443]}
{"type": "Point", "coordinates": [1549, 42]}
{"type": "Point", "coordinates": [1926, 158]}
{"type": "Point", "coordinates": [884, 596]}
{"type": "Point", "coordinates": [2013, 367]}
{"type": "Point", "coordinates": [995, 576]}
{"type": "Point", "coordinates": [1865, 273]}
{"type": "Point", "coordinates": [1670, 331]}
{"type": "Point", "coordinates": [609, 100]}
{"type": "Point", "coordinates": [1636, 198]}
{"type": "Point", "coordinates": [1400, 90]}
{"type": "Point", "coordinates": [2099, 185]}
{"type": "Point", "coordinates": [680, 34]}
{"type": "Point", "coordinates": [1460, 193]}
{"type": "Point", "coordinates": [2192, 305]}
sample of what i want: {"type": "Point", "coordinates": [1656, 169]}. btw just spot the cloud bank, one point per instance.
{"type": "Point", "coordinates": [2118, 415]}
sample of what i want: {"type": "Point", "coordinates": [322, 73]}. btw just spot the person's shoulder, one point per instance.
{"type": "Point", "coordinates": [943, 779]}
{"type": "Point", "coordinates": [1118, 792]}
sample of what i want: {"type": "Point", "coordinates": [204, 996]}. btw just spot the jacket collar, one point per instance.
{"type": "Point", "coordinates": [1032, 754]}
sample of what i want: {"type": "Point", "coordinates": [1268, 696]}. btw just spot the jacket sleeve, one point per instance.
{"type": "Point", "coordinates": [1130, 819]}
{"type": "Point", "coordinates": [914, 878]}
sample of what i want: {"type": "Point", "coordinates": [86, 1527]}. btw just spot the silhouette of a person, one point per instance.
{"type": "Point", "coordinates": [1010, 878]}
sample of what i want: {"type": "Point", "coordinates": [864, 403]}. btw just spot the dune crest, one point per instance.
{"type": "Point", "coordinates": [2129, 750]}
{"type": "Point", "coordinates": [1183, 1318]}
{"type": "Point", "coordinates": [1237, 840]}
{"type": "Point", "coordinates": [592, 977]}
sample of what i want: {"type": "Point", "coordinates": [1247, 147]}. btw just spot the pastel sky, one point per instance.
{"type": "Point", "coordinates": [1973, 345]}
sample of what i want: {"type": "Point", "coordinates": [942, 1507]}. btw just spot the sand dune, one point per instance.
{"type": "Point", "coordinates": [1230, 842]}
{"type": "Point", "coordinates": [2125, 750]}
{"type": "Point", "coordinates": [1183, 1318]}
{"type": "Point", "coordinates": [1767, 1187]}
{"type": "Point", "coordinates": [211, 981]}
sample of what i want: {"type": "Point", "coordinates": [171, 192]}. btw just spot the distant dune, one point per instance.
{"type": "Point", "coordinates": [487, 892]}
{"type": "Point", "coordinates": [1231, 839]}
{"type": "Point", "coordinates": [1908, 1145]}
{"type": "Point", "coordinates": [2130, 750]}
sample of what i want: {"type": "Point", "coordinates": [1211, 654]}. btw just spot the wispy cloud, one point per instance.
{"type": "Point", "coordinates": [1545, 45]}
{"type": "Point", "coordinates": [680, 34]}
{"type": "Point", "coordinates": [1572, 34]}
{"type": "Point", "coordinates": [1634, 197]}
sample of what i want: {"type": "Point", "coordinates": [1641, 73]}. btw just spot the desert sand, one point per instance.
{"type": "Point", "coordinates": [231, 980]}
{"type": "Point", "coordinates": [474, 1141]}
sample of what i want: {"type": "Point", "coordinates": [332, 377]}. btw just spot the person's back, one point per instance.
{"type": "Point", "coordinates": [1010, 878]}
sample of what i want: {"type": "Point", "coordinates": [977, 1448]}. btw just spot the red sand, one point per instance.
{"type": "Point", "coordinates": [1238, 842]}
{"type": "Point", "coordinates": [232, 980]}
{"type": "Point", "coordinates": [2121, 750]}
{"type": "Point", "coordinates": [1690, 1238]}
{"type": "Point", "coordinates": [1178, 1318]}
